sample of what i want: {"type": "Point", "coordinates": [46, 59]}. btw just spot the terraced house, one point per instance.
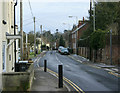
{"type": "Point", "coordinates": [8, 37]}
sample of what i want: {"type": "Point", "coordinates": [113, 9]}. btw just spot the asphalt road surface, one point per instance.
{"type": "Point", "coordinates": [86, 77]}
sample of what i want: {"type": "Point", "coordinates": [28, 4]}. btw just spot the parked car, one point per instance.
{"type": "Point", "coordinates": [65, 51]}
{"type": "Point", "coordinates": [59, 49]}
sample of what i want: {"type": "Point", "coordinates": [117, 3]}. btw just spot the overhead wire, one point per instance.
{"type": "Point", "coordinates": [25, 20]}
{"type": "Point", "coordinates": [30, 8]}
{"type": "Point", "coordinates": [28, 23]}
{"type": "Point", "coordinates": [45, 27]}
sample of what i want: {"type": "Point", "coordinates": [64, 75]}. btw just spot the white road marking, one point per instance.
{"type": "Point", "coordinates": [59, 60]}
{"type": "Point", "coordinates": [35, 60]}
{"type": "Point", "coordinates": [67, 65]}
{"type": "Point", "coordinates": [109, 70]}
{"type": "Point", "coordinates": [34, 78]}
{"type": "Point", "coordinates": [38, 61]}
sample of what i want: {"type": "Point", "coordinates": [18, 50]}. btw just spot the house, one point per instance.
{"type": "Point", "coordinates": [7, 37]}
{"type": "Point", "coordinates": [103, 54]}
{"type": "Point", "coordinates": [76, 34]}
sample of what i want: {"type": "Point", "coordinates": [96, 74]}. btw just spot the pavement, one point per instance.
{"type": "Point", "coordinates": [44, 81]}
{"type": "Point", "coordinates": [112, 68]}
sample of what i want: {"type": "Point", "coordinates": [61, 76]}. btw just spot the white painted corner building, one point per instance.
{"type": "Point", "coordinates": [7, 55]}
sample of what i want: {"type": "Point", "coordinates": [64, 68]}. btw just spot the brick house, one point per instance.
{"type": "Point", "coordinates": [76, 33]}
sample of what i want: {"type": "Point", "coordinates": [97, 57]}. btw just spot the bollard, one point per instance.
{"type": "Point", "coordinates": [45, 65]}
{"type": "Point", "coordinates": [60, 72]}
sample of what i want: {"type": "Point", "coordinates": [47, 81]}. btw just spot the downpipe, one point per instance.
{"type": "Point", "coordinates": [15, 34]}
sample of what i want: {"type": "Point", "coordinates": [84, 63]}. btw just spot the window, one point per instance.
{"type": "Point", "coordinates": [4, 55]}
{"type": "Point", "coordinates": [9, 57]}
{"type": "Point", "coordinates": [74, 45]}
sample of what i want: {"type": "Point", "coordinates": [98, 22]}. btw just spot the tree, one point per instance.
{"type": "Point", "coordinates": [31, 38]}
{"type": "Point", "coordinates": [37, 34]}
{"type": "Point", "coordinates": [105, 14]}
{"type": "Point", "coordinates": [97, 40]}
{"type": "Point", "coordinates": [61, 41]}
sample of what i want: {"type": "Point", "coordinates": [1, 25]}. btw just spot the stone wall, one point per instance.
{"type": "Point", "coordinates": [18, 81]}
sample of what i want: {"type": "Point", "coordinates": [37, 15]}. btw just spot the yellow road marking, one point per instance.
{"type": "Point", "coordinates": [114, 74]}
{"type": "Point", "coordinates": [72, 85]}
{"type": "Point", "coordinates": [75, 85]}
{"type": "Point", "coordinates": [69, 82]}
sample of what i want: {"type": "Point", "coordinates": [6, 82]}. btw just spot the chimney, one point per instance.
{"type": "Point", "coordinates": [79, 23]}
{"type": "Point", "coordinates": [83, 19]}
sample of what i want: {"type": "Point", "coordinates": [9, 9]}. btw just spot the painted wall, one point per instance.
{"type": "Point", "coordinates": [1, 8]}
{"type": "Point", "coordinates": [7, 14]}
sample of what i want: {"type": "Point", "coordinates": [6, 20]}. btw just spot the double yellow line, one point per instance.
{"type": "Point", "coordinates": [79, 90]}
{"type": "Point", "coordinates": [114, 74]}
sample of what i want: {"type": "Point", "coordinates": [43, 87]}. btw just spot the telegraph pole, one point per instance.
{"type": "Point", "coordinates": [21, 30]}
{"type": "Point", "coordinates": [90, 53]}
{"type": "Point", "coordinates": [94, 16]}
{"type": "Point", "coordinates": [90, 8]}
{"type": "Point", "coordinates": [41, 36]}
{"type": "Point", "coordinates": [34, 39]}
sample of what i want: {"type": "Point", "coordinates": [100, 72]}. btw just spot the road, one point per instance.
{"type": "Point", "coordinates": [84, 76]}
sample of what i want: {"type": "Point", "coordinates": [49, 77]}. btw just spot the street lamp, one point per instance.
{"type": "Point", "coordinates": [41, 37]}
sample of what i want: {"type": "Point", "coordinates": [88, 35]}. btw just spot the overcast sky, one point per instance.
{"type": "Point", "coordinates": [52, 14]}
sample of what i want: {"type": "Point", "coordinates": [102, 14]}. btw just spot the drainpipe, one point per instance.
{"type": "Point", "coordinates": [15, 34]}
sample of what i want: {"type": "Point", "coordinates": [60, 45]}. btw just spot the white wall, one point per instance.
{"type": "Point", "coordinates": [1, 44]}
{"type": "Point", "coordinates": [17, 54]}
{"type": "Point", "coordinates": [8, 16]}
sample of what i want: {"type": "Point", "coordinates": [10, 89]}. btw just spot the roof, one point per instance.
{"type": "Point", "coordinates": [79, 27]}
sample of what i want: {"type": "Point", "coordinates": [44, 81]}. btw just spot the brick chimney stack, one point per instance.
{"type": "Point", "coordinates": [83, 19]}
{"type": "Point", "coordinates": [79, 23]}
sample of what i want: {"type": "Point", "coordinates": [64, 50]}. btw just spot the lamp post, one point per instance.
{"type": "Point", "coordinates": [76, 34]}
{"type": "Point", "coordinates": [41, 37]}
{"type": "Point", "coordinates": [34, 38]}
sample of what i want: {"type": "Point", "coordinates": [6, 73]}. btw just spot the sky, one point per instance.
{"type": "Point", "coordinates": [52, 14]}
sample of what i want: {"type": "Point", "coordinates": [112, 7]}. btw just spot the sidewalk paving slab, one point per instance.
{"type": "Point", "coordinates": [44, 81]}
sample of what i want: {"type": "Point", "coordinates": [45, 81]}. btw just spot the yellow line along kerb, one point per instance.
{"type": "Point", "coordinates": [69, 82]}
{"type": "Point", "coordinates": [114, 74]}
